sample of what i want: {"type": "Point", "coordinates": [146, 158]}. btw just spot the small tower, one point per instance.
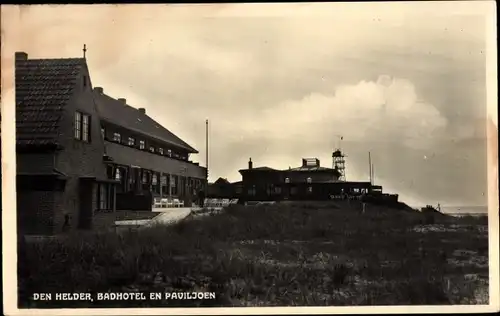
{"type": "Point", "coordinates": [338, 163]}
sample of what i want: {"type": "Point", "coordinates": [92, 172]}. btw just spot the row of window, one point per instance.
{"type": "Point", "coordinates": [293, 190]}
{"type": "Point", "coordinates": [142, 145]}
{"type": "Point", "coordinates": [82, 128]}
{"type": "Point", "coordinates": [154, 178]}
{"type": "Point", "coordinates": [276, 190]}
{"type": "Point", "coordinates": [308, 180]}
{"type": "Point", "coordinates": [164, 184]}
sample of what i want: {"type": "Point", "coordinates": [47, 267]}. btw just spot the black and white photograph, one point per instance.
{"type": "Point", "coordinates": [266, 158]}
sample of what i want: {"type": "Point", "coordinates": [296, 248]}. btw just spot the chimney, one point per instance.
{"type": "Point", "coordinates": [317, 162]}
{"type": "Point", "coordinates": [304, 162]}
{"type": "Point", "coordinates": [142, 110]}
{"type": "Point", "coordinates": [122, 100]}
{"type": "Point", "coordinates": [21, 56]}
{"type": "Point", "coordinates": [250, 164]}
{"type": "Point", "coordinates": [99, 90]}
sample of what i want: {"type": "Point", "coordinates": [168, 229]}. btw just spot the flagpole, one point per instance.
{"type": "Point", "coordinates": [370, 166]}
{"type": "Point", "coordinates": [206, 151]}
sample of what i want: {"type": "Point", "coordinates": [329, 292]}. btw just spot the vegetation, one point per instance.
{"type": "Point", "coordinates": [274, 255]}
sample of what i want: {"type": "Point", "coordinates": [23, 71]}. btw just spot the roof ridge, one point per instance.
{"type": "Point", "coordinates": [60, 58]}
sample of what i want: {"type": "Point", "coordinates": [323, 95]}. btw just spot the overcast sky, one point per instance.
{"type": "Point", "coordinates": [406, 81]}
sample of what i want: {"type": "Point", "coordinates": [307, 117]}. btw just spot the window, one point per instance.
{"type": "Point", "coordinates": [252, 191]}
{"type": "Point", "coordinates": [277, 190]}
{"type": "Point", "coordinates": [169, 153]}
{"type": "Point", "coordinates": [173, 184]}
{"type": "Point", "coordinates": [78, 125]}
{"type": "Point", "coordinates": [144, 177]}
{"type": "Point", "coordinates": [287, 180]}
{"type": "Point", "coordinates": [82, 127]}
{"type": "Point", "coordinates": [103, 132]}
{"type": "Point", "coordinates": [309, 189]}
{"type": "Point", "coordinates": [117, 137]}
{"type": "Point", "coordinates": [151, 149]}
{"type": "Point", "coordinates": [131, 141]}
{"type": "Point", "coordinates": [86, 128]}
{"type": "Point", "coordinates": [155, 179]}
{"type": "Point", "coordinates": [309, 180]}
{"type": "Point", "coordinates": [160, 150]}
{"type": "Point", "coordinates": [142, 144]}
{"type": "Point", "coordinates": [102, 197]}
{"type": "Point", "coordinates": [118, 175]}
{"type": "Point", "coordinates": [164, 184]}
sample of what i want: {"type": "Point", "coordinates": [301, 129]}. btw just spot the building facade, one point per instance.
{"type": "Point", "coordinates": [143, 156]}
{"type": "Point", "coordinates": [70, 164]}
{"type": "Point", "coordinates": [310, 181]}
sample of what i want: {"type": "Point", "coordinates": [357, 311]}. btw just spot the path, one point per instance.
{"type": "Point", "coordinates": [165, 216]}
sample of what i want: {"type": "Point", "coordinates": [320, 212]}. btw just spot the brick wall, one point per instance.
{"type": "Point", "coordinates": [79, 159]}
{"type": "Point", "coordinates": [36, 212]}
{"type": "Point", "coordinates": [35, 162]}
{"type": "Point", "coordinates": [35, 209]}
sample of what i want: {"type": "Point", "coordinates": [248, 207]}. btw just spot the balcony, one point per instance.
{"type": "Point", "coordinates": [131, 156]}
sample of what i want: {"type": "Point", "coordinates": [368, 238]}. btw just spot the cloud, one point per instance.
{"type": "Point", "coordinates": [279, 83]}
{"type": "Point", "coordinates": [386, 110]}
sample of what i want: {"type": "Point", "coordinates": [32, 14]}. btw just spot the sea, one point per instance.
{"type": "Point", "coordinates": [465, 210]}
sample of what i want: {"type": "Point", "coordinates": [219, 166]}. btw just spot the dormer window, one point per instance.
{"type": "Point", "coordinates": [142, 144]}
{"type": "Point", "coordinates": [287, 180]}
{"type": "Point", "coordinates": [131, 141]}
{"type": "Point", "coordinates": [160, 150]}
{"type": "Point", "coordinates": [152, 149]}
{"type": "Point", "coordinates": [117, 137]}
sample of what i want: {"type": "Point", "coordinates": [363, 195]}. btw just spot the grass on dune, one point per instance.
{"type": "Point", "coordinates": [274, 255]}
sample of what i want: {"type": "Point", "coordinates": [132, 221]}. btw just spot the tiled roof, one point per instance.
{"type": "Point", "coordinates": [298, 169]}
{"type": "Point", "coordinates": [116, 112]}
{"type": "Point", "coordinates": [43, 87]}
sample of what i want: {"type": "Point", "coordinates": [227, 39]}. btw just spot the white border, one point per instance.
{"type": "Point", "coordinates": [487, 8]}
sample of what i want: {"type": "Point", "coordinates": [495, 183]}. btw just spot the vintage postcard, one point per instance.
{"type": "Point", "coordinates": [249, 158]}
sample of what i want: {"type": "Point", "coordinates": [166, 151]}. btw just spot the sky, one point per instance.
{"type": "Point", "coordinates": [404, 81]}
